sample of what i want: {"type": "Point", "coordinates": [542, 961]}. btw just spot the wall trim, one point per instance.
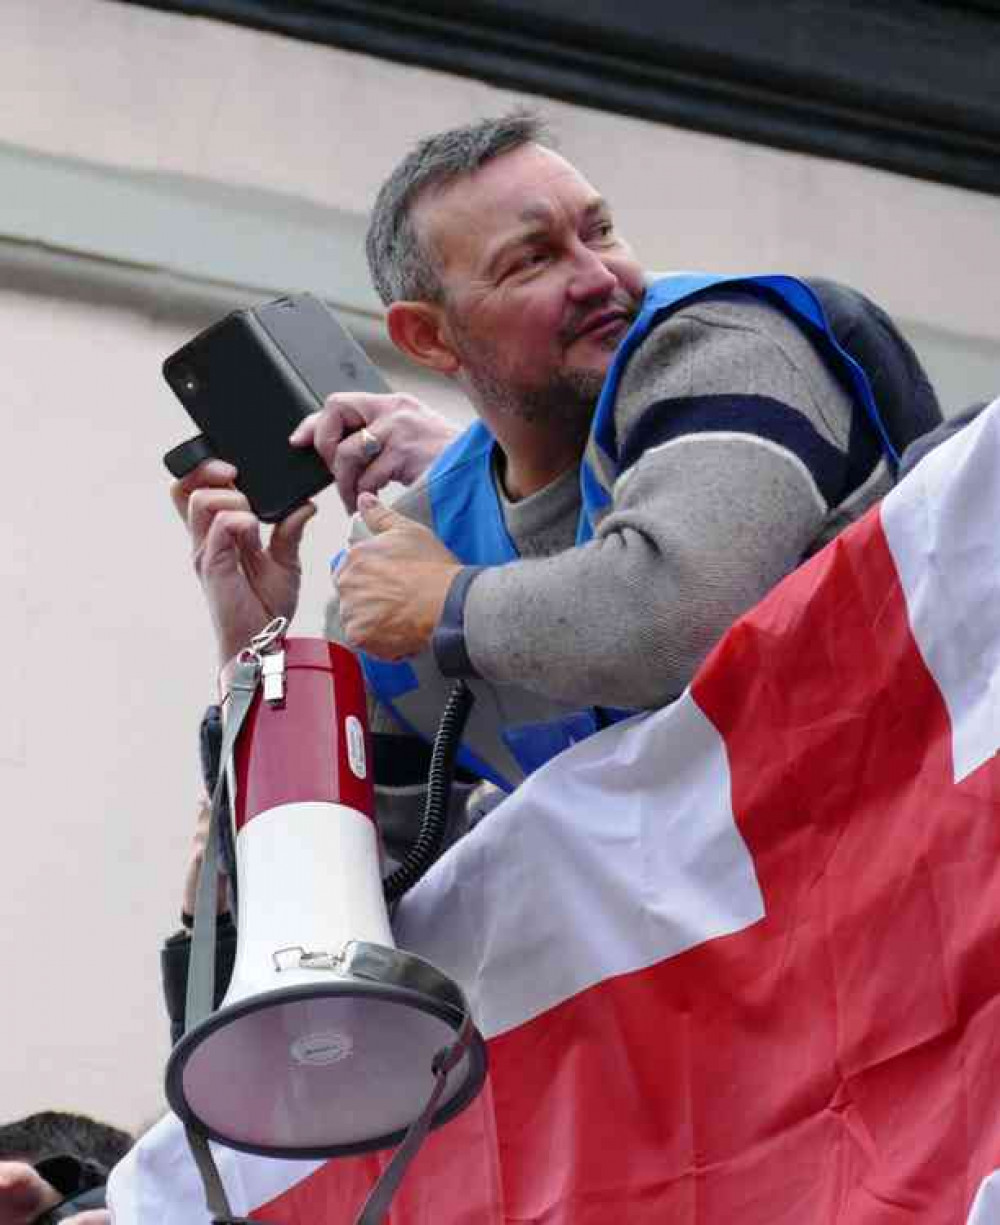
{"type": "Point", "coordinates": [235, 238]}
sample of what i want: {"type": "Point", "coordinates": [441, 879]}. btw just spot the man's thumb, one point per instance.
{"type": "Point", "coordinates": [377, 516]}
{"type": "Point", "coordinates": [287, 536]}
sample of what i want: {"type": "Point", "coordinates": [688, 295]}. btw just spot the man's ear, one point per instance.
{"type": "Point", "coordinates": [418, 330]}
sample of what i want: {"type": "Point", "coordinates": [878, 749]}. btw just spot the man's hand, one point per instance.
{"type": "Point", "coordinates": [393, 586]}
{"type": "Point", "coordinates": [246, 583]}
{"type": "Point", "coordinates": [24, 1194]}
{"type": "Point", "coordinates": [93, 1216]}
{"type": "Point", "coordinates": [369, 440]}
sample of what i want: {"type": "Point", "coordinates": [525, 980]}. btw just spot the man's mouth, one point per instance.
{"type": "Point", "coordinates": [604, 325]}
{"type": "Point", "coordinates": [608, 323]}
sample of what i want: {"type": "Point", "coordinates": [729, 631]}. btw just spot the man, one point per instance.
{"type": "Point", "coordinates": [729, 445]}
{"type": "Point", "coordinates": [53, 1167]}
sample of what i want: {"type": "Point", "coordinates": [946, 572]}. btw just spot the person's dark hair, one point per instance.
{"type": "Point", "coordinates": [53, 1133]}
{"type": "Point", "coordinates": [400, 267]}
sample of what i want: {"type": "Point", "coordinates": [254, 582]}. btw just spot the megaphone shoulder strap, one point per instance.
{"type": "Point", "coordinates": [215, 1192]}
{"type": "Point", "coordinates": [200, 998]}
{"type": "Point", "coordinates": [377, 1204]}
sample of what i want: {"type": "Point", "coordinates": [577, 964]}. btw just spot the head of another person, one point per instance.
{"type": "Point", "coordinates": [51, 1134]}
{"type": "Point", "coordinates": [54, 1166]}
{"type": "Point", "coordinates": [501, 268]}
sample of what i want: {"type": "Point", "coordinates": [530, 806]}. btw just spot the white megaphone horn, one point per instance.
{"type": "Point", "coordinates": [329, 1040]}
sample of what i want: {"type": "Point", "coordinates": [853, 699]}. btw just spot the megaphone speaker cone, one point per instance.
{"type": "Point", "coordinates": [329, 1069]}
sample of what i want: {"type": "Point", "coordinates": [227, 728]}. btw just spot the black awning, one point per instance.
{"type": "Point", "coordinates": [911, 86]}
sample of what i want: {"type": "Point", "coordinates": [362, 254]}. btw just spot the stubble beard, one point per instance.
{"type": "Point", "coordinates": [568, 397]}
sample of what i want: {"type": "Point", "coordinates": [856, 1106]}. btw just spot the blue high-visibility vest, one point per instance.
{"type": "Point", "coordinates": [468, 517]}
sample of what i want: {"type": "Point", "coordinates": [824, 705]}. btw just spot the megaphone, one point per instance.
{"type": "Point", "coordinates": [329, 1040]}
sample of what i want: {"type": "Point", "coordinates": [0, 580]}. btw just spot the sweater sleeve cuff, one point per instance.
{"type": "Point", "coordinates": [449, 637]}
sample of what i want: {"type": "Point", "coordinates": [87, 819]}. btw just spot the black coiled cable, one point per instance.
{"type": "Point", "coordinates": [439, 779]}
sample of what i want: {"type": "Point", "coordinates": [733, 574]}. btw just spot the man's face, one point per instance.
{"type": "Point", "coordinates": [539, 289]}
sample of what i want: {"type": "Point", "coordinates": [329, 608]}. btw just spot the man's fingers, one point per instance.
{"type": "Point", "coordinates": [232, 533]}
{"type": "Point", "coordinates": [24, 1194]}
{"type": "Point", "coordinates": [325, 429]}
{"type": "Point", "coordinates": [355, 429]}
{"type": "Point", "coordinates": [379, 473]}
{"type": "Point", "coordinates": [304, 433]}
{"type": "Point", "coordinates": [287, 535]}
{"type": "Point", "coordinates": [349, 464]}
{"type": "Point", "coordinates": [211, 474]}
{"type": "Point", "coordinates": [359, 408]}
{"type": "Point", "coordinates": [377, 516]}
{"type": "Point", "coordinates": [206, 503]}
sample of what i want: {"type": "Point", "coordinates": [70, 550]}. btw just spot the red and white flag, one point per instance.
{"type": "Point", "coordinates": [737, 962]}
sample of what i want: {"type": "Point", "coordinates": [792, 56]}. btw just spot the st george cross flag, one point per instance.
{"type": "Point", "coordinates": [738, 961]}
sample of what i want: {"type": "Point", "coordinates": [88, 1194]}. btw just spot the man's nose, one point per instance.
{"type": "Point", "coordinates": [590, 277]}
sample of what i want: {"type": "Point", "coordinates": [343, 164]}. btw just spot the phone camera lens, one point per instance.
{"type": "Point", "coordinates": [186, 380]}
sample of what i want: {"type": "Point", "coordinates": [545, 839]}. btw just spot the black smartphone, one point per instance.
{"type": "Point", "coordinates": [248, 380]}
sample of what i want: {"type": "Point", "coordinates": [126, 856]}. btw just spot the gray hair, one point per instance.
{"type": "Point", "coordinates": [401, 268]}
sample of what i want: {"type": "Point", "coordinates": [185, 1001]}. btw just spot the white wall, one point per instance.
{"type": "Point", "coordinates": [106, 666]}
{"type": "Point", "coordinates": [155, 170]}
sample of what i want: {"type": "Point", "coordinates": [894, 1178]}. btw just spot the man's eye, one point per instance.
{"type": "Point", "coordinates": [603, 229]}
{"type": "Point", "coordinates": [527, 261]}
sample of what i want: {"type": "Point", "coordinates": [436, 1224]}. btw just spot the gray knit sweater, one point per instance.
{"type": "Point", "coordinates": [746, 470]}
{"type": "Point", "coordinates": [746, 462]}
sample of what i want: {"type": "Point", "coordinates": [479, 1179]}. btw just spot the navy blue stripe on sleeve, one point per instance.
{"type": "Point", "coordinates": [756, 416]}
